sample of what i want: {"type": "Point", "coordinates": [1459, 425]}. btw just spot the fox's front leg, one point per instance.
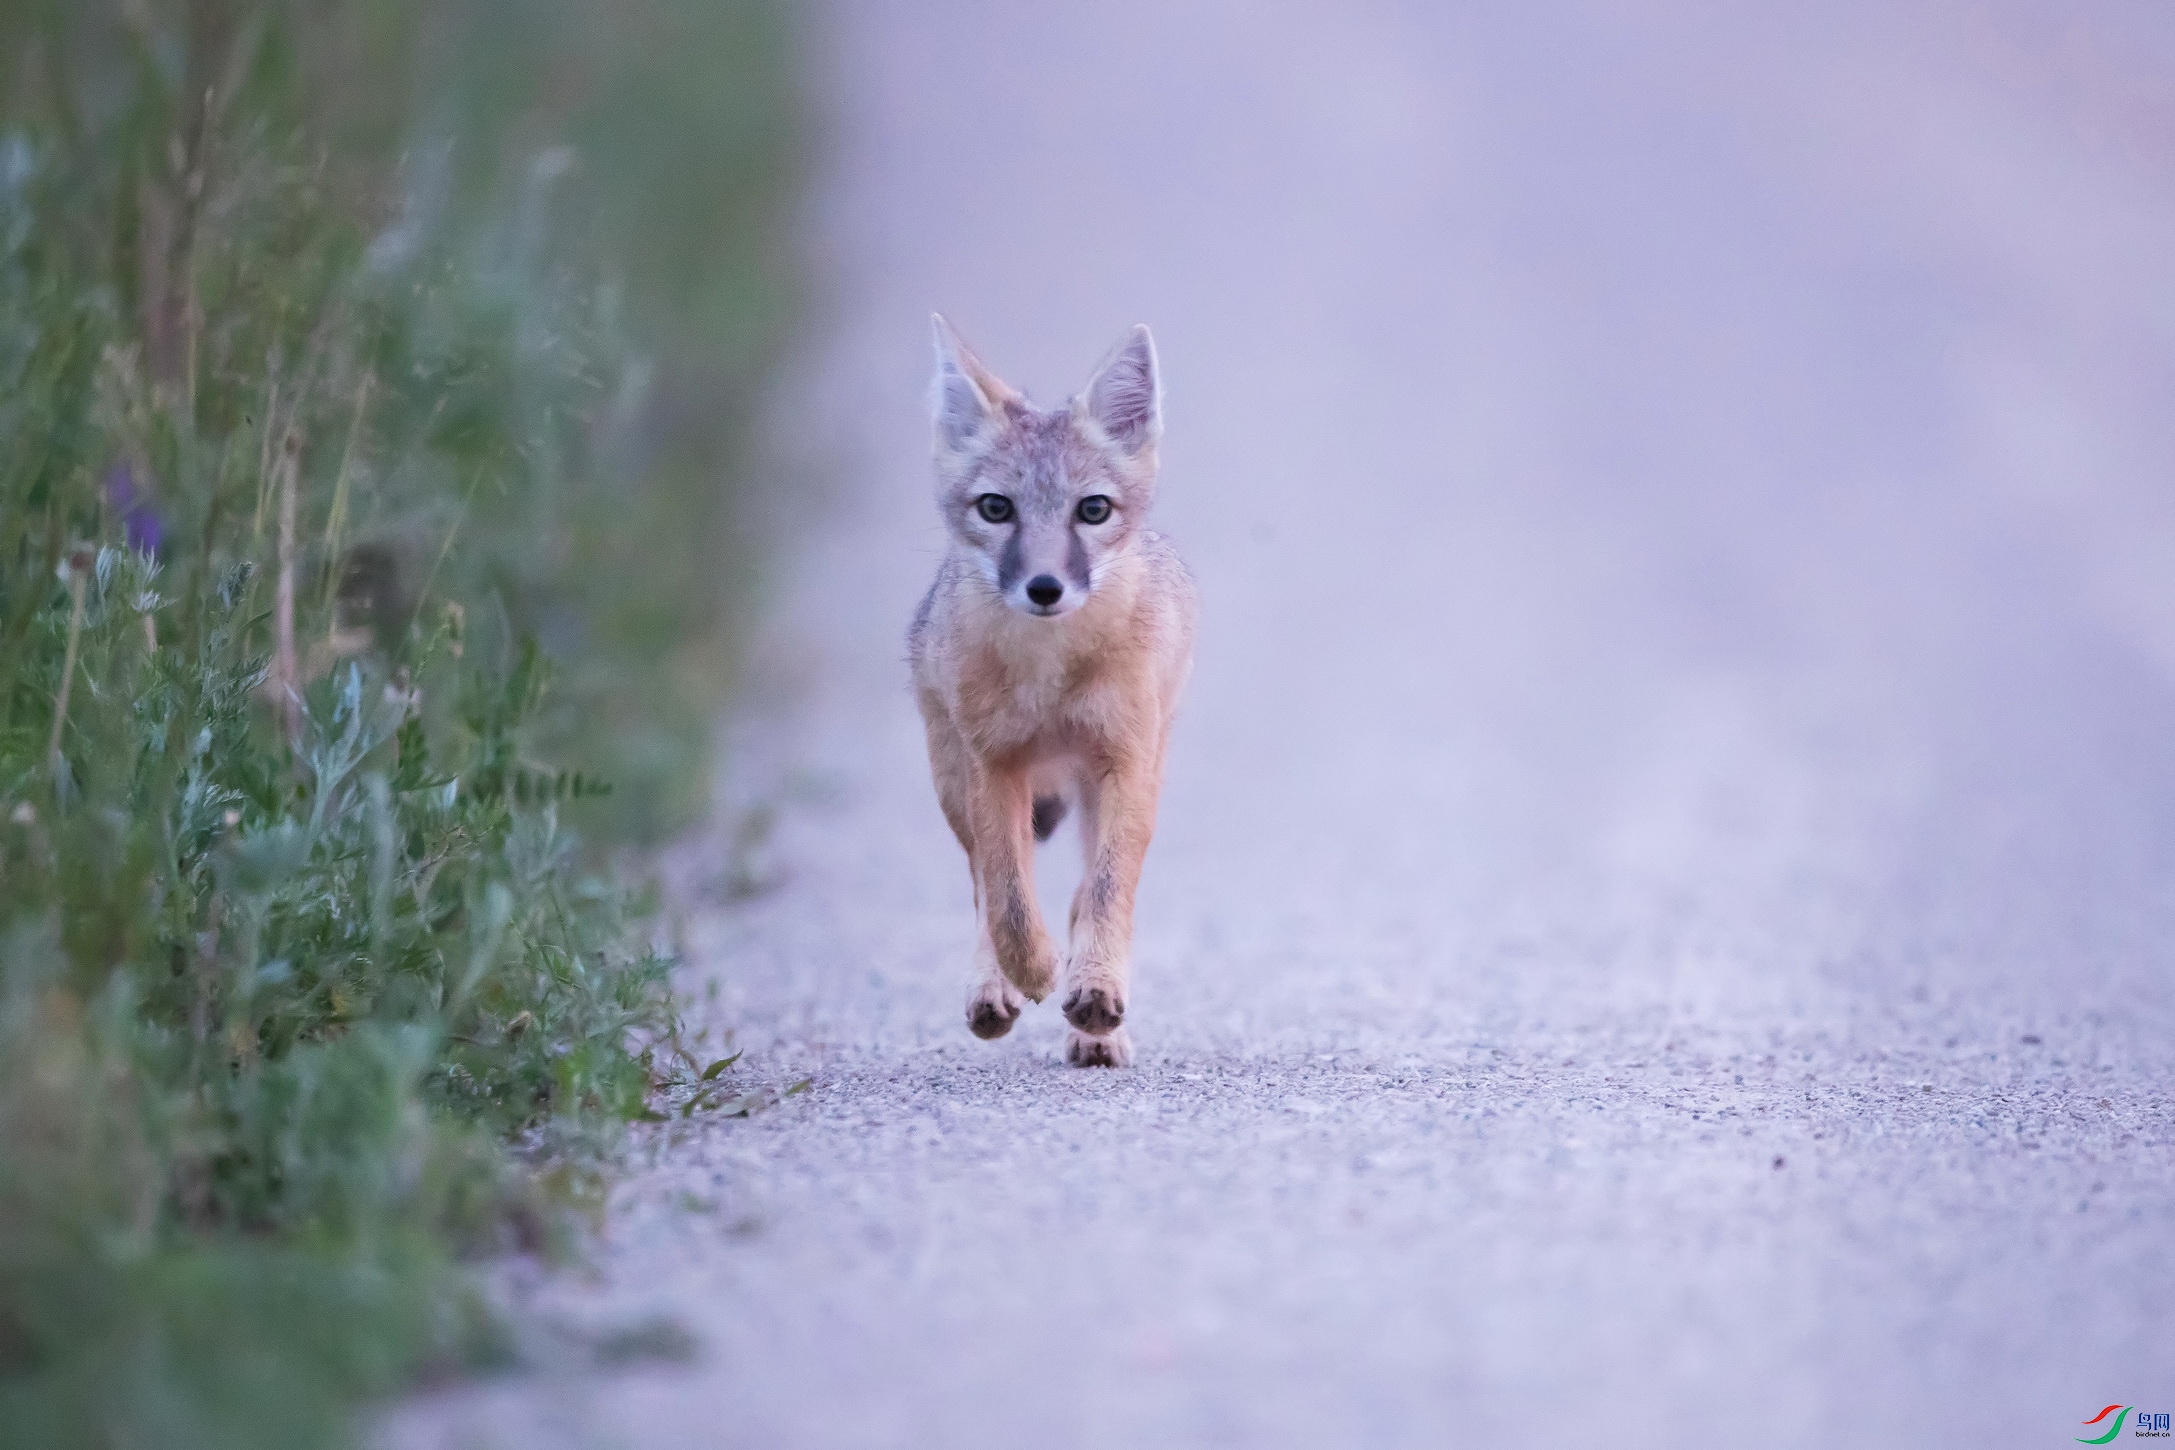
{"type": "Point", "coordinates": [1119, 810]}
{"type": "Point", "coordinates": [1002, 812]}
{"type": "Point", "coordinates": [993, 1003]}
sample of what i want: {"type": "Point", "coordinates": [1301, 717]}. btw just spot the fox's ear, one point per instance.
{"type": "Point", "coordinates": [968, 395]}
{"type": "Point", "coordinates": [1124, 400]}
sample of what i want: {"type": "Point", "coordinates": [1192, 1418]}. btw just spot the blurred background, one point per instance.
{"type": "Point", "coordinates": [1682, 495]}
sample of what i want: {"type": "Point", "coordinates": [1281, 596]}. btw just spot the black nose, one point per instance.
{"type": "Point", "coordinates": [1045, 590]}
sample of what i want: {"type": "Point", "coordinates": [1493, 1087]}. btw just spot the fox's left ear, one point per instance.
{"type": "Point", "coordinates": [1124, 400]}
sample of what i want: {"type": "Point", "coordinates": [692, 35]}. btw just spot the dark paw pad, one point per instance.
{"type": "Point", "coordinates": [1093, 1052]}
{"type": "Point", "coordinates": [990, 1021]}
{"type": "Point", "coordinates": [1049, 814]}
{"type": "Point", "coordinates": [1095, 1011]}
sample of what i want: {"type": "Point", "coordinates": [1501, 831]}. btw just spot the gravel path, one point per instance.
{"type": "Point", "coordinates": [1660, 931]}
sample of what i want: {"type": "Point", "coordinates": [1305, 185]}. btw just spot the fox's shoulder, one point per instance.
{"type": "Point", "coordinates": [917, 633]}
{"type": "Point", "coordinates": [936, 605]}
{"type": "Point", "coordinates": [1162, 557]}
{"type": "Point", "coordinates": [918, 630]}
{"type": "Point", "coordinates": [1167, 574]}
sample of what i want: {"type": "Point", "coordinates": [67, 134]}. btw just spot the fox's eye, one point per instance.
{"type": "Point", "coordinates": [1093, 509]}
{"type": "Point", "coordinates": [994, 508]}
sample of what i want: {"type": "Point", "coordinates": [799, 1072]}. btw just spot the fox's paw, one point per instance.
{"type": "Point", "coordinates": [992, 1007]}
{"type": "Point", "coordinates": [1096, 1011]}
{"type": "Point", "coordinates": [1112, 1049]}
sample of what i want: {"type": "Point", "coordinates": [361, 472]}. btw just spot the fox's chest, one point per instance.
{"type": "Point", "coordinates": [1019, 693]}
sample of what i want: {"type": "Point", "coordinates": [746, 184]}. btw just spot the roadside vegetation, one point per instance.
{"type": "Point", "coordinates": [374, 390]}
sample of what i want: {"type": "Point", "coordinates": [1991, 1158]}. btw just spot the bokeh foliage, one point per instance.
{"type": "Point", "coordinates": [422, 335]}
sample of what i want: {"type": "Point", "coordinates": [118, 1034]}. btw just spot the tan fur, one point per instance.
{"type": "Point", "coordinates": [1075, 700]}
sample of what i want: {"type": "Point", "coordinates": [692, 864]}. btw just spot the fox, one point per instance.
{"type": "Point", "coordinates": [1047, 661]}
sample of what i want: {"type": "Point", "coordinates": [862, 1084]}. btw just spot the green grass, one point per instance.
{"type": "Point", "coordinates": [420, 338]}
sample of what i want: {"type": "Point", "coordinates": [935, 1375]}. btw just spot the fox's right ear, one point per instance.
{"type": "Point", "coordinates": [969, 397]}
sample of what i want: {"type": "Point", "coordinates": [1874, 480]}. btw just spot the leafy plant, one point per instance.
{"type": "Point", "coordinates": [306, 991]}
{"type": "Point", "coordinates": [269, 1013]}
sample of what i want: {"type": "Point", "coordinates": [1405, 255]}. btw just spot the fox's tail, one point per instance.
{"type": "Point", "coordinates": [1049, 815]}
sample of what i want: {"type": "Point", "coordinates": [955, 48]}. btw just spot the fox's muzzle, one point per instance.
{"type": "Point", "coordinates": [1046, 577]}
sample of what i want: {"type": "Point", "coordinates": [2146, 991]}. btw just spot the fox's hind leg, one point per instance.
{"type": "Point", "coordinates": [1113, 1049]}
{"type": "Point", "coordinates": [1051, 783]}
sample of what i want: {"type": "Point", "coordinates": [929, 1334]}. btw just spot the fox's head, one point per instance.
{"type": "Point", "coordinates": [1046, 500]}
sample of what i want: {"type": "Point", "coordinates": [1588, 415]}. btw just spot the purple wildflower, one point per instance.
{"type": "Point", "coordinates": [142, 527]}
